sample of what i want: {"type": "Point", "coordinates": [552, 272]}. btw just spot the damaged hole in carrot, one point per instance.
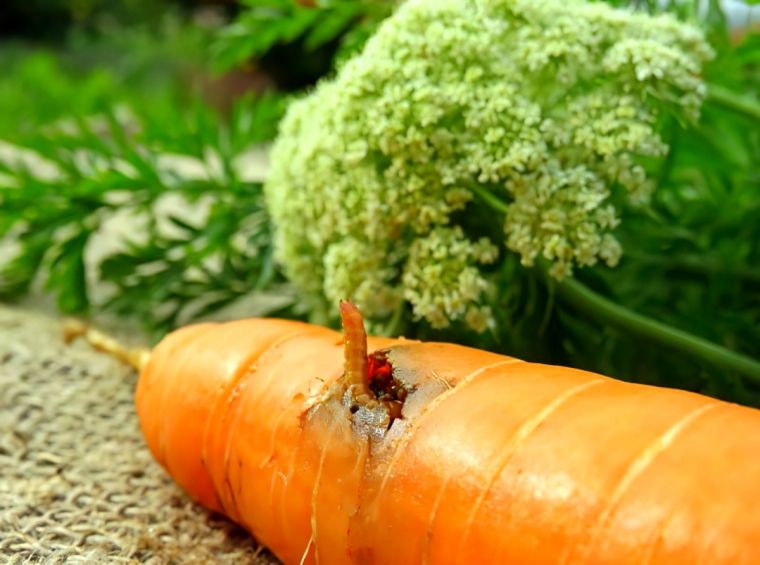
{"type": "Point", "coordinates": [387, 389]}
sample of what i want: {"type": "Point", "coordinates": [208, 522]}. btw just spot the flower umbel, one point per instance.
{"type": "Point", "coordinates": [441, 279]}
{"type": "Point", "coordinates": [544, 103]}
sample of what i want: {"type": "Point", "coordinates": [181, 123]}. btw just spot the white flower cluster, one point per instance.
{"type": "Point", "coordinates": [543, 103]}
{"type": "Point", "coordinates": [441, 279]}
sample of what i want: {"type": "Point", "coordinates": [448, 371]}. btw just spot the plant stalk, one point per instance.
{"type": "Point", "coordinates": [604, 310]}
{"type": "Point", "coordinates": [733, 101]}
{"type": "Point", "coordinates": [493, 201]}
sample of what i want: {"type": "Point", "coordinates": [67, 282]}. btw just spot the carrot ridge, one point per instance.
{"type": "Point", "coordinates": [246, 371]}
{"type": "Point", "coordinates": [522, 434]}
{"type": "Point", "coordinates": [639, 464]}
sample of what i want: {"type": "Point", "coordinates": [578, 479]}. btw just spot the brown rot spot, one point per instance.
{"type": "Point", "coordinates": [387, 390]}
{"type": "Point", "coordinates": [381, 380]}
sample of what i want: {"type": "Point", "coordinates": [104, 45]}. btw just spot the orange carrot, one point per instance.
{"type": "Point", "coordinates": [431, 453]}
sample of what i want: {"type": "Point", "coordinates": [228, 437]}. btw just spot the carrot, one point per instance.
{"type": "Point", "coordinates": [395, 452]}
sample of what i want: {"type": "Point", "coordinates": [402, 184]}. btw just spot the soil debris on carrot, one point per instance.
{"type": "Point", "coordinates": [387, 389]}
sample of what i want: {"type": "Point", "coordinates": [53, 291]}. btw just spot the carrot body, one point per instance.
{"type": "Point", "coordinates": [493, 460]}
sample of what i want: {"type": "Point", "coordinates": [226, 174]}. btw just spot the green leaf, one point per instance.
{"type": "Point", "coordinates": [266, 24]}
{"type": "Point", "coordinates": [67, 275]}
{"type": "Point", "coordinates": [332, 25]}
{"type": "Point", "coordinates": [183, 225]}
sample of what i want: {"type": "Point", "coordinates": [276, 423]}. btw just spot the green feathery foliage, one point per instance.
{"type": "Point", "coordinates": [304, 40]}
{"type": "Point", "coordinates": [171, 186]}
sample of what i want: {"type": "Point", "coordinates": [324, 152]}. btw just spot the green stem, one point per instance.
{"type": "Point", "coordinates": [489, 198]}
{"type": "Point", "coordinates": [394, 326]}
{"type": "Point", "coordinates": [604, 310]}
{"type": "Point", "coordinates": [733, 101]}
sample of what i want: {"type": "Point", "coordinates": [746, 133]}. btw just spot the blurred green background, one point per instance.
{"type": "Point", "coordinates": [221, 47]}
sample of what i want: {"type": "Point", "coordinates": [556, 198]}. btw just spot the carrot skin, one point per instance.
{"type": "Point", "coordinates": [157, 404]}
{"type": "Point", "coordinates": [232, 410]}
{"type": "Point", "coordinates": [174, 418]}
{"type": "Point", "coordinates": [710, 476]}
{"type": "Point", "coordinates": [493, 460]}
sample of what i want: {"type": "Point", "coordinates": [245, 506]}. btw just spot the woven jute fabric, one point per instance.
{"type": "Point", "coordinates": [77, 482]}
